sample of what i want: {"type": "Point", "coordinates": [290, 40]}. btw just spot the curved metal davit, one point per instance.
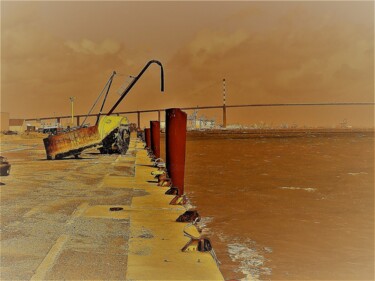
{"type": "Point", "coordinates": [134, 81]}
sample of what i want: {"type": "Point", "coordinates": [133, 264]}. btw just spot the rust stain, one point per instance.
{"type": "Point", "coordinates": [71, 143]}
{"type": "Point", "coordinates": [148, 137]}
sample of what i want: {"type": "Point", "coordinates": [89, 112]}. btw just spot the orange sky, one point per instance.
{"type": "Point", "coordinates": [270, 52]}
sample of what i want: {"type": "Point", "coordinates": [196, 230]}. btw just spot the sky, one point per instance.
{"type": "Point", "coordinates": [268, 52]}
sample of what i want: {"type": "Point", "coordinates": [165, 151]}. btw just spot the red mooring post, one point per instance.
{"type": "Point", "coordinates": [148, 137]}
{"type": "Point", "coordinates": [175, 142]}
{"type": "Point", "coordinates": [155, 138]}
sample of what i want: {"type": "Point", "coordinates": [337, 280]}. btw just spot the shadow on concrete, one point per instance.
{"type": "Point", "coordinates": [144, 165]}
{"type": "Point", "coordinates": [66, 159]}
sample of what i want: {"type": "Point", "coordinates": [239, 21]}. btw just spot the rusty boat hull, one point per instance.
{"type": "Point", "coordinates": [71, 143]}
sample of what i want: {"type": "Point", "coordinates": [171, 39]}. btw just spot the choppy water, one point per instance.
{"type": "Point", "coordinates": [286, 208]}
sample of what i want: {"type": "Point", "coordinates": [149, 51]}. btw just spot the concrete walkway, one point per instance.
{"type": "Point", "coordinates": [56, 222]}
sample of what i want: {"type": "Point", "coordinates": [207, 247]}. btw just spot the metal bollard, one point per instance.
{"type": "Point", "coordinates": [155, 138]}
{"type": "Point", "coordinates": [175, 141]}
{"type": "Point", "coordinates": [148, 137]}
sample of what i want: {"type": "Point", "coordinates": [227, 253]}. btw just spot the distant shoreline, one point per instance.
{"type": "Point", "coordinates": [279, 132]}
{"type": "Point", "coordinates": [246, 132]}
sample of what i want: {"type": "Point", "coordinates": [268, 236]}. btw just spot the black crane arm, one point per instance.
{"type": "Point", "coordinates": [134, 81]}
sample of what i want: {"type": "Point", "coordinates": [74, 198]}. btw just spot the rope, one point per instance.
{"type": "Point", "coordinates": [100, 95]}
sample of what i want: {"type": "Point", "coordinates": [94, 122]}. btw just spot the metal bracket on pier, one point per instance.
{"type": "Point", "coordinates": [172, 190]}
{"type": "Point", "coordinates": [150, 153]}
{"type": "Point", "coordinates": [189, 216]}
{"type": "Point", "coordinates": [199, 243]}
{"type": "Point", "coordinates": [161, 174]}
{"type": "Point", "coordinates": [163, 180]}
{"type": "Point", "coordinates": [159, 162]}
{"type": "Point", "coordinates": [178, 200]}
{"type": "Point", "coordinates": [158, 173]}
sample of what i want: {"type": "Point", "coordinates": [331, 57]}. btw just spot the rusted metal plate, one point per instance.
{"type": "Point", "coordinates": [155, 138]}
{"type": "Point", "coordinates": [71, 143]}
{"type": "Point", "coordinates": [176, 146]}
{"type": "Point", "coordinates": [148, 137]}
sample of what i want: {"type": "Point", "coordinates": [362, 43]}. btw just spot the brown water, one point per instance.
{"type": "Point", "coordinates": [293, 208]}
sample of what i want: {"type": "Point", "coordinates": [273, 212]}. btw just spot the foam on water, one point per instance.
{"type": "Point", "coordinates": [248, 255]}
{"type": "Point", "coordinates": [251, 261]}
{"type": "Point", "coordinates": [356, 174]}
{"type": "Point", "coordinates": [308, 189]}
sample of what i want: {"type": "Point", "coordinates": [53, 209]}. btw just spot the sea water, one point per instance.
{"type": "Point", "coordinates": [286, 208]}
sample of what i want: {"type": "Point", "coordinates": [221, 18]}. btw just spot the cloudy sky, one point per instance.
{"type": "Point", "coordinates": [269, 52]}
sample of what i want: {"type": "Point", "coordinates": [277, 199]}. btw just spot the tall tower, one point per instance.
{"type": "Point", "coordinates": [224, 92]}
{"type": "Point", "coordinates": [224, 106]}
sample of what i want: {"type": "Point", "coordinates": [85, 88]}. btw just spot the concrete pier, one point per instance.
{"type": "Point", "coordinates": [57, 221]}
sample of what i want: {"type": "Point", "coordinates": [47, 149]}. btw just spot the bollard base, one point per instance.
{"type": "Point", "coordinates": [178, 200]}
{"type": "Point", "coordinates": [172, 191]}
{"type": "Point", "coordinates": [189, 216]}
{"type": "Point", "coordinates": [200, 245]}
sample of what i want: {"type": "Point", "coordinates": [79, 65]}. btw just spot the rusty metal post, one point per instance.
{"type": "Point", "coordinates": [155, 138]}
{"type": "Point", "coordinates": [175, 120]}
{"type": "Point", "coordinates": [77, 121]}
{"type": "Point", "coordinates": [148, 137]}
{"type": "Point", "coordinates": [224, 116]}
{"type": "Point", "coordinates": [58, 119]}
{"type": "Point", "coordinates": [139, 119]}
